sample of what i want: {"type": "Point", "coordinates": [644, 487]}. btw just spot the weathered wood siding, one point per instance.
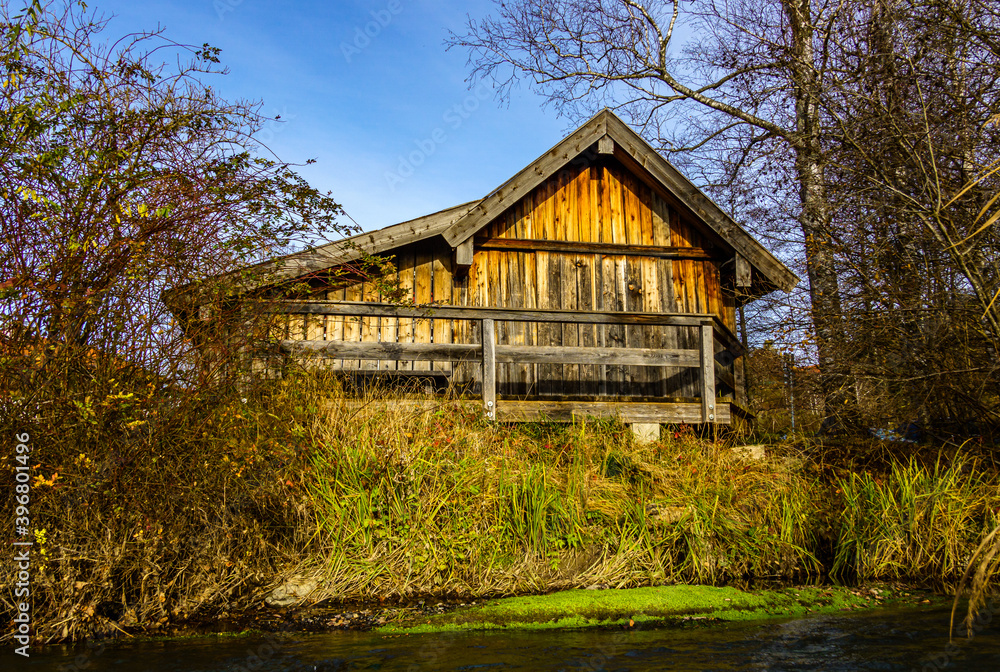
{"type": "Point", "coordinates": [595, 203]}
{"type": "Point", "coordinates": [598, 203]}
{"type": "Point", "coordinates": [426, 275]}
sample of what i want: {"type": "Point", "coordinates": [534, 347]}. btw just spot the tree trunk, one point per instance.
{"type": "Point", "coordinates": [814, 218]}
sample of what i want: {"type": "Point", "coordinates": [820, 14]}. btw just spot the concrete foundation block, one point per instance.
{"type": "Point", "coordinates": [750, 452]}
{"type": "Point", "coordinates": [646, 432]}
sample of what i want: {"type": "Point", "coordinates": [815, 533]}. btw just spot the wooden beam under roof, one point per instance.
{"type": "Point", "coordinates": [629, 143]}
{"type": "Point", "coordinates": [511, 191]}
{"type": "Point", "coordinates": [611, 134]}
{"type": "Point", "coordinates": [304, 263]}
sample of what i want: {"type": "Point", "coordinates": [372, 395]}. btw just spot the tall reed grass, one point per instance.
{"type": "Point", "coordinates": [916, 520]}
{"type": "Point", "coordinates": [217, 501]}
{"type": "Point", "coordinates": [440, 501]}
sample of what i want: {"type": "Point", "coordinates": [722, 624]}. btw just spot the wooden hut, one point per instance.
{"type": "Point", "coordinates": [596, 281]}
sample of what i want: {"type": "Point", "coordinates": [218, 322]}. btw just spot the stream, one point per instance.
{"type": "Point", "coordinates": [884, 639]}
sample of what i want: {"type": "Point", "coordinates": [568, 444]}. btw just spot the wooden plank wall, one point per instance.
{"type": "Point", "coordinates": [596, 203]}
{"type": "Point", "coordinates": [427, 278]}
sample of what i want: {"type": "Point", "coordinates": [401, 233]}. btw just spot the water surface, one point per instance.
{"type": "Point", "coordinates": [879, 640]}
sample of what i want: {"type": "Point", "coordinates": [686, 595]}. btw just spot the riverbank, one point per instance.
{"type": "Point", "coordinates": [277, 503]}
{"type": "Point", "coordinates": [660, 606]}
{"type": "Point", "coordinates": [631, 608]}
{"type": "Point", "coordinates": [869, 639]}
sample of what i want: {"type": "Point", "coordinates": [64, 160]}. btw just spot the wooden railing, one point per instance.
{"type": "Point", "coordinates": [489, 353]}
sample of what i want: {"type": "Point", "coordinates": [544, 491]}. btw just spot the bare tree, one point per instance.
{"type": "Point", "coordinates": [912, 168]}
{"type": "Point", "coordinates": [748, 77]}
{"type": "Point", "coordinates": [123, 174]}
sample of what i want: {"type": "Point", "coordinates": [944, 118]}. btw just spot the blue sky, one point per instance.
{"type": "Point", "coordinates": [377, 110]}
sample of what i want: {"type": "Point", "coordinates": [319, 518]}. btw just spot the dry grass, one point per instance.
{"type": "Point", "coordinates": [441, 502]}
{"type": "Point", "coordinates": [218, 500]}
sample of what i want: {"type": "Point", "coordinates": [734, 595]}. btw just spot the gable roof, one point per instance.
{"type": "Point", "coordinates": [457, 224]}
{"type": "Point", "coordinates": [638, 155]}
{"type": "Point", "coordinates": [299, 264]}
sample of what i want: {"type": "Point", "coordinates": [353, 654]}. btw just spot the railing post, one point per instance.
{"type": "Point", "coordinates": [489, 368]}
{"type": "Point", "coordinates": [707, 373]}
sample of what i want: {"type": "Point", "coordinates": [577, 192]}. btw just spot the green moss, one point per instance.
{"type": "Point", "coordinates": [147, 638]}
{"type": "Point", "coordinates": [643, 607]}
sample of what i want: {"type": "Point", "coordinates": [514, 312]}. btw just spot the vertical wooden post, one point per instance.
{"type": "Point", "coordinates": [489, 369]}
{"type": "Point", "coordinates": [463, 257]}
{"type": "Point", "coordinates": [789, 365]}
{"type": "Point", "coordinates": [707, 373]}
{"type": "Point", "coordinates": [744, 272]}
{"type": "Point", "coordinates": [742, 390]}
